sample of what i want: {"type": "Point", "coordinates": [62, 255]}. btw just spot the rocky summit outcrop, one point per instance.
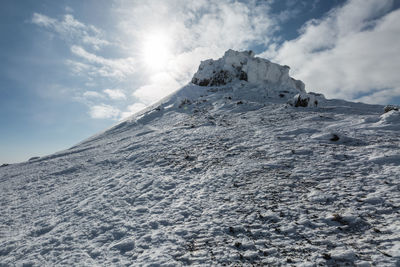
{"type": "Point", "coordinates": [244, 66]}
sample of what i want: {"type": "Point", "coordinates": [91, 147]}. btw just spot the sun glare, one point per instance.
{"type": "Point", "coordinates": [156, 51]}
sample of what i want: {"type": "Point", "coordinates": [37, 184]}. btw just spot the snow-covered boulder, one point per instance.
{"type": "Point", "coordinates": [390, 118]}
{"type": "Point", "coordinates": [307, 100]}
{"type": "Point", "coordinates": [390, 108]}
{"type": "Point", "coordinates": [244, 66]}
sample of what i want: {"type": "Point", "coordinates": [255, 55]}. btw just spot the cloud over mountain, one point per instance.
{"type": "Point", "coordinates": [349, 53]}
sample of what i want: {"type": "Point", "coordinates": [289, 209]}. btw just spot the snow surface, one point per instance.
{"type": "Point", "coordinates": [214, 175]}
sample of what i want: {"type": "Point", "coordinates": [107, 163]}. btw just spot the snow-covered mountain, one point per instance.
{"type": "Point", "coordinates": [239, 167]}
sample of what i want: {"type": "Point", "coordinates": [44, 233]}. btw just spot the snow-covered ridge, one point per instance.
{"type": "Point", "coordinates": [244, 66]}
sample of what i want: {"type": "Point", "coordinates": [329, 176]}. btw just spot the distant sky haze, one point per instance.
{"type": "Point", "coordinates": [70, 69]}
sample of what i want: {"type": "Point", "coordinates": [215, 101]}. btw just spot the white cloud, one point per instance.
{"type": "Point", "coordinates": [104, 111]}
{"type": "Point", "coordinates": [352, 51]}
{"type": "Point", "coordinates": [96, 42]}
{"type": "Point", "coordinates": [72, 30]}
{"type": "Point", "coordinates": [353, 48]}
{"type": "Point", "coordinates": [115, 94]}
{"type": "Point", "coordinates": [92, 94]}
{"type": "Point", "coordinates": [384, 96]}
{"type": "Point", "coordinates": [90, 57]}
{"type": "Point", "coordinates": [154, 67]}
{"type": "Point", "coordinates": [100, 66]}
{"type": "Point", "coordinates": [196, 30]}
{"type": "Point", "coordinates": [77, 67]}
{"type": "Point", "coordinates": [43, 20]}
{"type": "Point", "coordinates": [160, 85]}
{"type": "Point", "coordinates": [132, 109]}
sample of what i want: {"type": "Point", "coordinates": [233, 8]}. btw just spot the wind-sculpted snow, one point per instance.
{"type": "Point", "coordinates": [214, 176]}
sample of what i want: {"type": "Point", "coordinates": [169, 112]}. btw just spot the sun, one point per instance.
{"type": "Point", "coordinates": [156, 50]}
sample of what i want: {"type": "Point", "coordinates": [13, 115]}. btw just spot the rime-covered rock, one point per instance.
{"type": "Point", "coordinates": [307, 100]}
{"type": "Point", "coordinates": [244, 66]}
{"type": "Point", "coordinates": [390, 108]}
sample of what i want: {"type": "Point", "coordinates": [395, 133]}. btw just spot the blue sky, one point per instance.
{"type": "Point", "coordinates": [70, 69]}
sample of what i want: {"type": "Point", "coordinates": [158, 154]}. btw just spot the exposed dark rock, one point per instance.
{"type": "Point", "coordinates": [306, 100]}
{"type": "Point", "coordinates": [243, 76]}
{"type": "Point", "coordinates": [219, 78]}
{"type": "Point", "coordinates": [338, 218]}
{"type": "Point", "coordinates": [326, 256]}
{"type": "Point", "coordinates": [335, 138]}
{"type": "Point", "coordinates": [301, 102]}
{"type": "Point", "coordinates": [204, 82]}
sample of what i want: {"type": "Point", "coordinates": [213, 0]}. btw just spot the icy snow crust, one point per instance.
{"type": "Point", "coordinates": [214, 175]}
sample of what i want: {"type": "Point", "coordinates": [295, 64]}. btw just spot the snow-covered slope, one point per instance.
{"type": "Point", "coordinates": [227, 173]}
